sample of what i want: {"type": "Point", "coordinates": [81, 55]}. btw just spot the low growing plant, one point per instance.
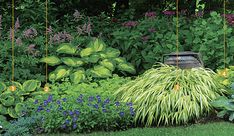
{"type": "Point", "coordinates": [166, 95]}
{"type": "Point", "coordinates": [81, 113]}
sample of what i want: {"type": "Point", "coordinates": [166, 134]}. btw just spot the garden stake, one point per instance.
{"type": "Point", "coordinates": [46, 87]}
{"type": "Point", "coordinates": [224, 72]}
{"type": "Point", "coordinates": [177, 86]}
{"type": "Point", "coordinates": [12, 87]}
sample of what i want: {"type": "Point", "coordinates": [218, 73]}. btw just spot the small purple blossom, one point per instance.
{"type": "Point", "coordinates": [150, 14]}
{"type": "Point", "coordinates": [107, 101]}
{"type": "Point", "coordinates": [30, 33]}
{"type": "Point", "coordinates": [121, 114]}
{"type": "Point", "coordinates": [45, 102]}
{"type": "Point", "coordinates": [77, 15]}
{"type": "Point", "coordinates": [77, 112]}
{"type": "Point", "coordinates": [64, 113]}
{"type": "Point", "coordinates": [129, 104]}
{"type": "Point", "coordinates": [49, 30]}
{"type": "Point", "coordinates": [17, 24]}
{"type": "Point", "coordinates": [47, 110]}
{"type": "Point", "coordinates": [91, 98]}
{"type": "Point", "coordinates": [36, 101]}
{"type": "Point", "coordinates": [74, 119]}
{"type": "Point", "coordinates": [71, 113]}
{"type": "Point", "coordinates": [58, 102]}
{"type": "Point", "coordinates": [63, 126]}
{"type": "Point", "coordinates": [79, 100]}
{"type": "Point", "coordinates": [11, 34]}
{"type": "Point", "coordinates": [95, 106]}
{"type": "Point", "coordinates": [67, 121]}
{"type": "Point", "coordinates": [64, 99]}
{"type": "Point", "coordinates": [145, 38]}
{"type": "Point", "coordinates": [74, 126]}
{"type": "Point", "coordinates": [40, 108]}
{"type": "Point", "coordinates": [104, 110]}
{"type": "Point", "coordinates": [18, 41]}
{"type": "Point", "coordinates": [169, 12]}
{"type": "Point", "coordinates": [117, 103]}
{"type": "Point", "coordinates": [60, 37]}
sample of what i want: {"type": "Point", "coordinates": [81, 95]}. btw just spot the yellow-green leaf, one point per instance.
{"type": "Point", "coordinates": [51, 60]}
{"type": "Point", "coordinates": [66, 48]}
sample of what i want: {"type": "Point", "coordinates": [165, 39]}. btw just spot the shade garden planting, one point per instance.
{"type": "Point", "coordinates": [102, 70]}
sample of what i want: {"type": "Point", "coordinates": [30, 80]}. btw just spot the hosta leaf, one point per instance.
{"type": "Point", "coordinates": [231, 117]}
{"type": "Point", "coordinates": [2, 87]}
{"type": "Point", "coordinates": [6, 99]}
{"type": "Point", "coordinates": [221, 114]}
{"type": "Point", "coordinates": [3, 110]}
{"type": "Point", "coordinates": [30, 85]}
{"type": "Point", "coordinates": [78, 76]}
{"type": "Point", "coordinates": [86, 52]}
{"type": "Point", "coordinates": [127, 67]}
{"type": "Point", "coordinates": [220, 102]}
{"type": "Point", "coordinates": [12, 113]}
{"type": "Point", "coordinates": [92, 59]}
{"type": "Point", "coordinates": [108, 64]}
{"type": "Point", "coordinates": [101, 72]}
{"type": "Point", "coordinates": [112, 53]}
{"type": "Point", "coordinates": [97, 45]}
{"type": "Point", "coordinates": [19, 107]}
{"type": "Point", "coordinates": [120, 60]}
{"type": "Point", "coordinates": [72, 62]}
{"type": "Point", "coordinates": [51, 60]}
{"type": "Point", "coordinates": [66, 48]}
{"type": "Point", "coordinates": [60, 72]}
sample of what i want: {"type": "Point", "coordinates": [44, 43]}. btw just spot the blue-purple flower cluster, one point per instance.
{"type": "Point", "coordinates": [74, 111]}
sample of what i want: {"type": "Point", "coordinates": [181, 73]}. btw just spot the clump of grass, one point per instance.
{"type": "Point", "coordinates": [167, 95]}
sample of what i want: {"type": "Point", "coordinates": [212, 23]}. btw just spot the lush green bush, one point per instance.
{"type": "Point", "coordinates": [81, 113]}
{"type": "Point", "coordinates": [167, 95]}
{"type": "Point", "coordinates": [95, 61]}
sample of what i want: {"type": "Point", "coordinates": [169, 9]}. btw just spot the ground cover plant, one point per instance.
{"type": "Point", "coordinates": [167, 95]}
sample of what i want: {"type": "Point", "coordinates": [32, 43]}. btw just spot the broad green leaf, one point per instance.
{"type": "Point", "coordinates": [86, 52]}
{"type": "Point", "coordinates": [108, 64]}
{"type": "Point", "coordinates": [72, 62]}
{"type": "Point", "coordinates": [59, 72]}
{"type": "Point", "coordinates": [231, 117]}
{"type": "Point", "coordinates": [6, 99]}
{"type": "Point", "coordinates": [78, 76]}
{"type": "Point", "coordinates": [19, 107]}
{"type": "Point", "coordinates": [220, 102]}
{"type": "Point", "coordinates": [3, 110]}
{"type": "Point", "coordinates": [120, 60]}
{"type": "Point", "coordinates": [92, 59]}
{"type": "Point", "coordinates": [2, 87]}
{"type": "Point", "coordinates": [12, 113]}
{"type": "Point", "coordinates": [222, 113]}
{"type": "Point", "coordinates": [30, 85]}
{"type": "Point", "coordinates": [101, 72]}
{"type": "Point", "coordinates": [51, 60]}
{"type": "Point", "coordinates": [112, 52]}
{"type": "Point", "coordinates": [97, 45]}
{"type": "Point", "coordinates": [127, 67]}
{"type": "Point", "coordinates": [66, 48]}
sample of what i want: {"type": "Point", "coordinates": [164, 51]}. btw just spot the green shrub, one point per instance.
{"type": "Point", "coordinates": [95, 61]}
{"type": "Point", "coordinates": [167, 95]}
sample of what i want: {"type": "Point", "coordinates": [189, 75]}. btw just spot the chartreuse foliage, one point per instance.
{"type": "Point", "coordinates": [11, 102]}
{"type": "Point", "coordinates": [223, 104]}
{"type": "Point", "coordinates": [157, 101]}
{"type": "Point", "coordinates": [96, 61]}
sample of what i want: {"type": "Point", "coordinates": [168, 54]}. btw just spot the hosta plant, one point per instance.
{"type": "Point", "coordinates": [12, 101]}
{"type": "Point", "coordinates": [166, 95]}
{"type": "Point", "coordinates": [95, 61]}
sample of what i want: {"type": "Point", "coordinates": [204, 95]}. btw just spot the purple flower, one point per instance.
{"type": "Point", "coordinates": [64, 99]}
{"type": "Point", "coordinates": [121, 114]}
{"type": "Point", "coordinates": [11, 34]}
{"type": "Point", "coordinates": [98, 98]}
{"type": "Point", "coordinates": [169, 12]}
{"type": "Point", "coordinates": [67, 121]}
{"type": "Point", "coordinates": [18, 41]}
{"type": "Point", "coordinates": [74, 119]}
{"type": "Point", "coordinates": [117, 103]}
{"type": "Point", "coordinates": [0, 22]}
{"type": "Point", "coordinates": [30, 33]}
{"type": "Point", "coordinates": [129, 104]}
{"type": "Point", "coordinates": [79, 100]}
{"type": "Point", "coordinates": [150, 14]}
{"type": "Point", "coordinates": [77, 112]}
{"type": "Point", "coordinates": [104, 110]}
{"type": "Point", "coordinates": [91, 98]}
{"type": "Point", "coordinates": [95, 106]}
{"type": "Point", "coordinates": [77, 15]}
{"type": "Point", "coordinates": [64, 113]}
{"type": "Point", "coordinates": [74, 126]}
{"type": "Point", "coordinates": [45, 102]}
{"type": "Point", "coordinates": [40, 108]}
{"type": "Point", "coordinates": [50, 98]}
{"type": "Point", "coordinates": [58, 102]}
{"type": "Point", "coordinates": [60, 108]}
{"type": "Point", "coordinates": [17, 24]}
{"type": "Point", "coordinates": [129, 24]}
{"type": "Point", "coordinates": [61, 37]}
{"type": "Point", "coordinates": [47, 110]}
{"type": "Point", "coordinates": [107, 101]}
{"type": "Point", "coordinates": [70, 113]}
{"type": "Point", "coordinates": [63, 126]}
{"type": "Point", "coordinates": [49, 30]}
{"type": "Point", "coordinates": [36, 101]}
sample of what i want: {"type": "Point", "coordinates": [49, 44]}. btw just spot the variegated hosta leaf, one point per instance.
{"type": "Point", "coordinates": [51, 60]}
{"type": "Point", "coordinates": [66, 48]}
{"type": "Point", "coordinates": [60, 72]}
{"type": "Point", "coordinates": [127, 67]}
{"type": "Point", "coordinates": [97, 45]}
{"type": "Point", "coordinates": [86, 52]}
{"type": "Point", "coordinates": [100, 72]}
{"type": "Point", "coordinates": [78, 76]}
{"type": "Point", "coordinates": [72, 62]}
{"type": "Point", "coordinates": [108, 64]}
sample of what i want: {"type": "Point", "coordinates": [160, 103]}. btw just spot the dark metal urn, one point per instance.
{"type": "Point", "coordinates": [185, 59]}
